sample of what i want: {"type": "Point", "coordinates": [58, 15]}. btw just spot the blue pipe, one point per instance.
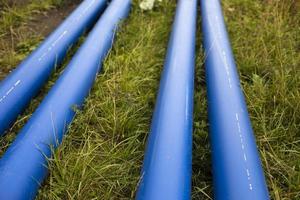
{"type": "Point", "coordinates": [237, 169]}
{"type": "Point", "coordinates": [167, 168]}
{"type": "Point", "coordinates": [26, 80]}
{"type": "Point", "coordinates": [24, 165]}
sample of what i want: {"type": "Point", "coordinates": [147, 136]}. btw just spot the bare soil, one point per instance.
{"type": "Point", "coordinates": [46, 22]}
{"type": "Point", "coordinates": [39, 26]}
{"type": "Point", "coordinates": [14, 2]}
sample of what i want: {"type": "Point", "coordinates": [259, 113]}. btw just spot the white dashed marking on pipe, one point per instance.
{"type": "Point", "coordinates": [85, 10]}
{"type": "Point", "coordinates": [52, 45]}
{"type": "Point", "coordinates": [218, 37]}
{"type": "Point", "coordinates": [243, 150]}
{"type": "Point", "coordinates": [10, 90]}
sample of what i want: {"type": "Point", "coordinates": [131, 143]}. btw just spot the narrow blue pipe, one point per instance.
{"type": "Point", "coordinates": [24, 165]}
{"type": "Point", "coordinates": [167, 169]}
{"type": "Point", "coordinates": [237, 169]}
{"type": "Point", "coordinates": [26, 80]}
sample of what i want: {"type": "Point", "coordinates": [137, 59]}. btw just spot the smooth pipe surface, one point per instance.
{"type": "Point", "coordinates": [237, 169]}
{"type": "Point", "coordinates": [24, 165]}
{"type": "Point", "coordinates": [26, 80]}
{"type": "Point", "coordinates": [167, 168]}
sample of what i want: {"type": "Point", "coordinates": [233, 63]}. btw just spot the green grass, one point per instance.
{"type": "Point", "coordinates": [102, 154]}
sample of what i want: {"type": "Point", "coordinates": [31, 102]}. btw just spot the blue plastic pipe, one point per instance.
{"type": "Point", "coordinates": [237, 169]}
{"type": "Point", "coordinates": [24, 165]}
{"type": "Point", "coordinates": [26, 80]}
{"type": "Point", "coordinates": [167, 168]}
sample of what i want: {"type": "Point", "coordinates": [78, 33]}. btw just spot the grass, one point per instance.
{"type": "Point", "coordinates": [102, 154]}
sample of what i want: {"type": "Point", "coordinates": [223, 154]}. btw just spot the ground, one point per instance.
{"type": "Point", "coordinates": [102, 154]}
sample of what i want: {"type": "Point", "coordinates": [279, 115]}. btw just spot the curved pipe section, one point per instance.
{"type": "Point", "coordinates": [237, 170]}
{"type": "Point", "coordinates": [167, 168]}
{"type": "Point", "coordinates": [25, 81]}
{"type": "Point", "coordinates": [24, 165]}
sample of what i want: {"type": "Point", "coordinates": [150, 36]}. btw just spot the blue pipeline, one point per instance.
{"type": "Point", "coordinates": [24, 165]}
{"type": "Point", "coordinates": [167, 168]}
{"type": "Point", "coordinates": [26, 80]}
{"type": "Point", "coordinates": [237, 169]}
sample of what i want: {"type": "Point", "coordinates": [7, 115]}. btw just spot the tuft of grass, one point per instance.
{"type": "Point", "coordinates": [101, 156]}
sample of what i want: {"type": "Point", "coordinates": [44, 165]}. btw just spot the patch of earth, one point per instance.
{"type": "Point", "coordinates": [39, 26]}
{"type": "Point", "coordinates": [14, 3]}
{"type": "Point", "coordinates": [43, 24]}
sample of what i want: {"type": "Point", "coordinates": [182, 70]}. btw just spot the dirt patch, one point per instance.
{"type": "Point", "coordinates": [14, 3]}
{"type": "Point", "coordinates": [32, 31]}
{"type": "Point", "coordinates": [43, 24]}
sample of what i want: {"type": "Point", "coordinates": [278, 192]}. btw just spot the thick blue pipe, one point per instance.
{"type": "Point", "coordinates": [24, 165]}
{"type": "Point", "coordinates": [237, 170]}
{"type": "Point", "coordinates": [26, 80]}
{"type": "Point", "coordinates": [166, 173]}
